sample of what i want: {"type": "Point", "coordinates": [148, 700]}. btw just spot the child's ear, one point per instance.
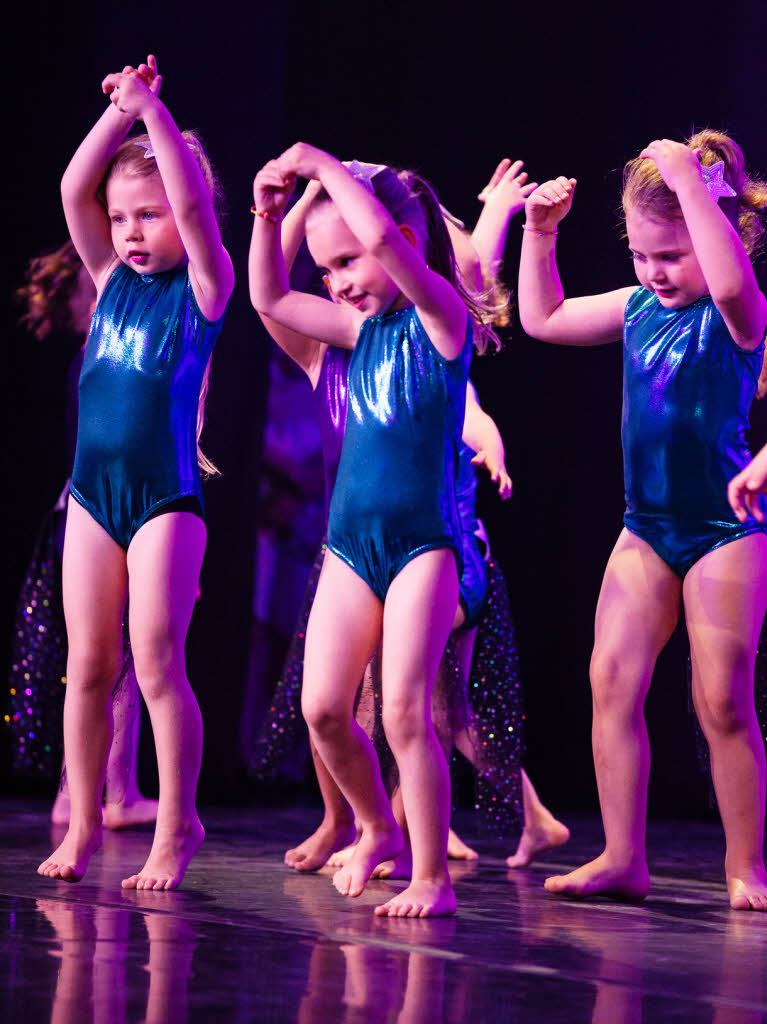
{"type": "Point", "coordinates": [409, 234]}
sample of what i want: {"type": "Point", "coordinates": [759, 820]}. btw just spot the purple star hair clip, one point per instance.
{"type": "Point", "coordinates": [713, 179]}
{"type": "Point", "coordinates": [149, 154]}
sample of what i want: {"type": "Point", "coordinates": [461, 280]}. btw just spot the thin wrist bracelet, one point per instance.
{"type": "Point", "coordinates": [536, 231]}
{"type": "Point", "coordinates": [265, 216]}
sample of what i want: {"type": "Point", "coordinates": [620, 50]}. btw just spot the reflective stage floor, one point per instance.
{"type": "Point", "coordinates": [247, 939]}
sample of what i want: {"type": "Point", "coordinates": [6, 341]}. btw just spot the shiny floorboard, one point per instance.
{"type": "Point", "coordinates": [247, 939]}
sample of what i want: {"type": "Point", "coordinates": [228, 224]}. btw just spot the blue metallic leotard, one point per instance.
{"type": "Point", "coordinates": [331, 400]}
{"type": "Point", "coordinates": [687, 391]}
{"type": "Point", "coordinates": [147, 351]}
{"type": "Point", "coordinates": [472, 586]}
{"type": "Point", "coordinates": [394, 496]}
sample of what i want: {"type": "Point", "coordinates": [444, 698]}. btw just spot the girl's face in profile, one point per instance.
{"type": "Point", "coordinates": [352, 274]}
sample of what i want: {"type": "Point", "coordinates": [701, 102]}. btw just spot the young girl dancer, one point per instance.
{"type": "Point", "coordinates": [693, 341]}
{"type": "Point", "coordinates": [394, 536]}
{"type": "Point", "coordinates": [59, 298]}
{"type": "Point", "coordinates": [140, 213]}
{"type": "Point", "coordinates": [477, 694]}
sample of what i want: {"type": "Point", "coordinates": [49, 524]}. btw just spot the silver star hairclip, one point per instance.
{"type": "Point", "coordinates": [713, 179]}
{"type": "Point", "coordinates": [147, 145]}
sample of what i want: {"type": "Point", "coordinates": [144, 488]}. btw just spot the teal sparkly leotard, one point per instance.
{"type": "Point", "coordinates": [472, 586]}
{"type": "Point", "coordinates": [687, 391]}
{"type": "Point", "coordinates": [394, 496]}
{"type": "Point", "coordinates": [147, 351]}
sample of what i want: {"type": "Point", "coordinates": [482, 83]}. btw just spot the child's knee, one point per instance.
{"type": "Point", "coordinates": [405, 722]}
{"type": "Point", "coordinates": [614, 684]}
{"type": "Point", "coordinates": [92, 669]}
{"type": "Point", "coordinates": [325, 718]}
{"type": "Point", "coordinates": [721, 712]}
{"type": "Point", "coordinates": [157, 663]}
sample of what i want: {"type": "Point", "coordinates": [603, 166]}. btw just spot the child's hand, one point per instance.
{"type": "Point", "coordinates": [676, 163]}
{"type": "Point", "coordinates": [508, 187]}
{"type": "Point", "coordinates": [744, 490]}
{"type": "Point", "coordinates": [549, 203]}
{"type": "Point", "coordinates": [129, 91]}
{"type": "Point", "coordinates": [272, 189]}
{"type": "Point", "coordinates": [497, 471]}
{"type": "Point", "coordinates": [148, 72]}
{"type": "Point", "coordinates": [302, 161]}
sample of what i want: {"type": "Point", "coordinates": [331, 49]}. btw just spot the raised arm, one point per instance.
{"type": "Point", "coordinates": [483, 437]}
{"type": "Point", "coordinates": [86, 217]}
{"type": "Point", "coordinates": [210, 268]}
{"type": "Point", "coordinates": [270, 291]}
{"type": "Point", "coordinates": [723, 259]}
{"type": "Point", "coordinates": [543, 310]}
{"type": "Point", "coordinates": [503, 197]}
{"type": "Point", "coordinates": [307, 353]}
{"type": "Point", "coordinates": [439, 306]}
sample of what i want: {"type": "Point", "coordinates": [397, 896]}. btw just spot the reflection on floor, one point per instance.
{"type": "Point", "coordinates": [247, 939]}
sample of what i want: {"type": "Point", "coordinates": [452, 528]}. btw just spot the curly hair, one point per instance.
{"type": "Point", "coordinates": [645, 190]}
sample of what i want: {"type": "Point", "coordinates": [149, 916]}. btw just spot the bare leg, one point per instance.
{"type": "Point", "coordinates": [94, 586]}
{"type": "Point", "coordinates": [343, 630]}
{"type": "Point", "coordinates": [542, 831]}
{"type": "Point", "coordinates": [124, 804]}
{"type": "Point", "coordinates": [725, 595]}
{"type": "Point", "coordinates": [60, 809]}
{"type": "Point", "coordinates": [464, 647]}
{"type": "Point", "coordinates": [164, 561]}
{"type": "Point", "coordinates": [418, 614]}
{"type": "Point", "coordinates": [637, 610]}
{"type": "Point", "coordinates": [336, 830]}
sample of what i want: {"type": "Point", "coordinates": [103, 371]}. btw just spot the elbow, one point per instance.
{"type": "Point", "coordinates": [533, 326]}
{"type": "Point", "coordinates": [264, 302]}
{"type": "Point", "coordinates": [71, 190]}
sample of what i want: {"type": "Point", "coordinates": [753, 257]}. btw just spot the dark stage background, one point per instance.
{"type": "Point", "coordinates": [448, 89]}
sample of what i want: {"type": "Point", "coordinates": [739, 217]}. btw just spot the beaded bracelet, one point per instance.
{"type": "Point", "coordinates": [265, 216]}
{"type": "Point", "coordinates": [535, 231]}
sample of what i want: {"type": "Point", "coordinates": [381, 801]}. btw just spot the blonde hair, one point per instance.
{"type": "Point", "coordinates": [50, 282]}
{"type": "Point", "coordinates": [132, 158]}
{"type": "Point", "coordinates": [645, 190]}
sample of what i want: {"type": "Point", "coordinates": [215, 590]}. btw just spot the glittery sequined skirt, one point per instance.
{"type": "Point", "coordinates": [486, 717]}
{"type": "Point", "coordinates": [37, 677]}
{"type": "Point", "coordinates": [39, 660]}
{"type": "Point", "coordinates": [284, 729]}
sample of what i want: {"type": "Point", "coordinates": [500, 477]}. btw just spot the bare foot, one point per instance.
{"type": "Point", "coordinates": [458, 850]}
{"type": "Point", "coordinates": [600, 878]}
{"type": "Point", "coordinates": [749, 890]}
{"type": "Point", "coordinates": [69, 861]}
{"type": "Point", "coordinates": [342, 857]}
{"type": "Point", "coordinates": [168, 859]}
{"type": "Point", "coordinates": [544, 835]}
{"type": "Point", "coordinates": [139, 812]}
{"type": "Point", "coordinates": [320, 847]}
{"type": "Point", "coordinates": [372, 848]}
{"type": "Point", "coordinates": [421, 899]}
{"type": "Point", "coordinates": [400, 867]}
